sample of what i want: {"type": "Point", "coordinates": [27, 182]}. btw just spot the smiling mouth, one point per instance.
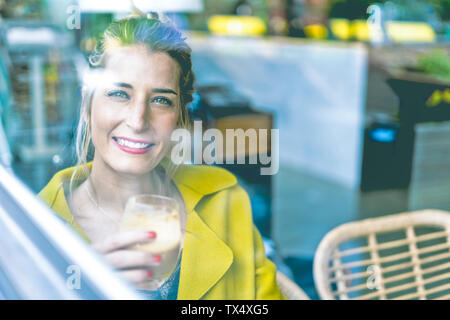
{"type": "Point", "coordinates": [132, 144]}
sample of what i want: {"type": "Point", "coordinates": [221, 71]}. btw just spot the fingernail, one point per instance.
{"type": "Point", "coordinates": [149, 273]}
{"type": "Point", "coordinates": [151, 235]}
{"type": "Point", "coordinates": [156, 258]}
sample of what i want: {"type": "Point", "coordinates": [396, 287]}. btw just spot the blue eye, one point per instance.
{"type": "Point", "coordinates": [162, 100]}
{"type": "Point", "coordinates": [118, 94]}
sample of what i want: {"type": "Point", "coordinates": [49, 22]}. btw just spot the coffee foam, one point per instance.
{"type": "Point", "coordinates": [166, 225]}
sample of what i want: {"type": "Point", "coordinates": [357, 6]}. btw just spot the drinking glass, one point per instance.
{"type": "Point", "coordinates": [161, 215]}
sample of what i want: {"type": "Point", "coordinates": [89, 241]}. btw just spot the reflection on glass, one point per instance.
{"type": "Point", "coordinates": [161, 215]}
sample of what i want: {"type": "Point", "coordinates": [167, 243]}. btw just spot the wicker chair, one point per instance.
{"type": "Point", "coordinates": [400, 257]}
{"type": "Point", "coordinates": [289, 288]}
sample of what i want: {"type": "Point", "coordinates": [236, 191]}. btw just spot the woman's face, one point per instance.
{"type": "Point", "coordinates": [135, 109]}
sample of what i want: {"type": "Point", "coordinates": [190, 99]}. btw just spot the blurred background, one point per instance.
{"type": "Point", "coordinates": [359, 90]}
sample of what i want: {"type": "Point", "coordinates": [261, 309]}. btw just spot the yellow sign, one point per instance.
{"type": "Point", "coordinates": [402, 31]}
{"type": "Point", "coordinates": [236, 25]}
{"type": "Point", "coordinates": [437, 97]}
{"type": "Point", "coordinates": [316, 31]}
{"type": "Point", "coordinates": [397, 31]}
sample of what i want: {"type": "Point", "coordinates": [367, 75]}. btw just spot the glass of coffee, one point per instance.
{"type": "Point", "coordinates": [161, 215]}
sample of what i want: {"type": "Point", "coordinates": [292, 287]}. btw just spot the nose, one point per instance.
{"type": "Point", "coordinates": [138, 117]}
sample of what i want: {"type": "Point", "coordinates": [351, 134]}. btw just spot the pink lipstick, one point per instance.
{"type": "Point", "coordinates": [132, 146]}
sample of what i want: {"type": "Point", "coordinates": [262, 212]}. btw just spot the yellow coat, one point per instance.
{"type": "Point", "coordinates": [223, 255]}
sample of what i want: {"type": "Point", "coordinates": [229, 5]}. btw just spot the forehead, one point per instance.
{"type": "Point", "coordinates": [140, 67]}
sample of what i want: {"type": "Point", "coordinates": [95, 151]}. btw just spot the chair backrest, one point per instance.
{"type": "Point", "coordinates": [289, 288]}
{"type": "Point", "coordinates": [401, 256]}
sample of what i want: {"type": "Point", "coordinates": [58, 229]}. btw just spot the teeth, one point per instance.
{"type": "Point", "coordinates": [130, 144]}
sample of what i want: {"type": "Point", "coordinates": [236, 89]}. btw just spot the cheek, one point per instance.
{"type": "Point", "coordinates": [164, 124]}
{"type": "Point", "coordinates": [102, 120]}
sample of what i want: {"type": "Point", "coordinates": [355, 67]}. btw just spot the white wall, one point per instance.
{"type": "Point", "coordinates": [315, 89]}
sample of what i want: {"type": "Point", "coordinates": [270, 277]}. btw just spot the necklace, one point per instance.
{"type": "Point", "coordinates": [97, 205]}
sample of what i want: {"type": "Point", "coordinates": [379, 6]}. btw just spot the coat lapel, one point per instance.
{"type": "Point", "coordinates": [206, 258]}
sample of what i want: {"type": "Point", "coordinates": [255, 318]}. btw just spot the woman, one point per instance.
{"type": "Point", "coordinates": [144, 82]}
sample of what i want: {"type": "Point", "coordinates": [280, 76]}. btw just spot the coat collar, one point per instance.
{"type": "Point", "coordinates": [193, 181]}
{"type": "Point", "coordinates": [205, 257]}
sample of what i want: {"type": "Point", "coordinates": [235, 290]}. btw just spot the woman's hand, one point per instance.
{"type": "Point", "coordinates": [134, 265]}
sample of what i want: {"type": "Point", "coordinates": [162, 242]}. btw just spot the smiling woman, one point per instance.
{"type": "Point", "coordinates": [139, 97]}
{"type": "Point", "coordinates": [137, 115]}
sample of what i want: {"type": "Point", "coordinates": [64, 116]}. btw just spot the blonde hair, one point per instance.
{"type": "Point", "coordinates": [157, 36]}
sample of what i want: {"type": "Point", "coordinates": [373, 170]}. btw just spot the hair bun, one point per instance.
{"type": "Point", "coordinates": [138, 13]}
{"type": "Point", "coordinates": [153, 15]}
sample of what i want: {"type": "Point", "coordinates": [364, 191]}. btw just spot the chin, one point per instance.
{"type": "Point", "coordinates": [134, 166]}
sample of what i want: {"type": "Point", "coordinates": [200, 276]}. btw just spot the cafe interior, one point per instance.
{"type": "Point", "coordinates": [354, 93]}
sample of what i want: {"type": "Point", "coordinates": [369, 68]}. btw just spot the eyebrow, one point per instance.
{"type": "Point", "coordinates": [124, 85]}
{"type": "Point", "coordinates": [160, 90]}
{"type": "Point", "coordinates": [155, 90]}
